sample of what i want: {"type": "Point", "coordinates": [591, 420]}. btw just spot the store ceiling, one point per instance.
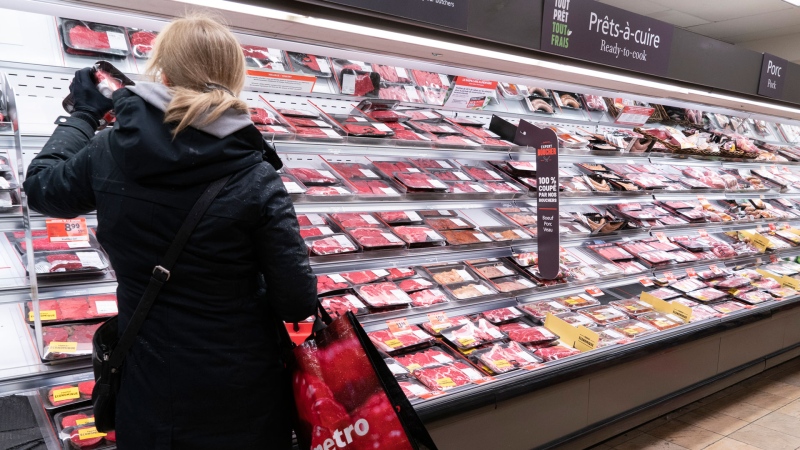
{"type": "Point", "coordinates": [771, 26]}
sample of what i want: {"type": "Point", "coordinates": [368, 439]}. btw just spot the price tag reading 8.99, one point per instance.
{"type": "Point", "coordinates": [67, 230]}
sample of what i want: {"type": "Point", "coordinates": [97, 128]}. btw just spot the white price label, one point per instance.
{"type": "Point", "coordinates": [348, 84]}
{"type": "Point", "coordinates": [504, 270]}
{"type": "Point", "coordinates": [444, 212]}
{"type": "Point", "coordinates": [416, 389]}
{"type": "Point", "coordinates": [364, 66]}
{"type": "Point", "coordinates": [482, 237]}
{"type": "Point", "coordinates": [447, 129]}
{"type": "Point", "coordinates": [494, 175]}
{"type": "Point", "coordinates": [79, 244]}
{"type": "Point", "coordinates": [421, 334]}
{"type": "Point", "coordinates": [490, 133]}
{"type": "Point", "coordinates": [400, 295]}
{"type": "Point", "coordinates": [421, 136]}
{"type": "Point", "coordinates": [324, 67]}
{"type": "Point", "coordinates": [343, 241]}
{"type": "Point", "coordinates": [354, 300]}
{"type": "Point", "coordinates": [397, 369]}
{"type": "Point", "coordinates": [483, 289]}
{"type": "Point", "coordinates": [369, 174]}
{"type": "Point", "coordinates": [521, 234]}
{"type": "Point", "coordinates": [321, 124]}
{"type": "Point", "coordinates": [325, 231]}
{"type": "Point", "coordinates": [292, 187]}
{"type": "Point", "coordinates": [461, 176]}
{"type": "Point", "coordinates": [382, 127]}
{"type": "Point", "coordinates": [526, 283]}
{"type": "Point", "coordinates": [359, 119]}
{"type": "Point", "coordinates": [413, 216]}
{"type": "Point", "coordinates": [444, 359]}
{"type": "Point", "coordinates": [337, 278]}
{"type": "Point", "coordinates": [340, 190]}
{"type": "Point", "coordinates": [438, 184]}
{"type": "Point", "coordinates": [432, 235]}
{"type": "Point", "coordinates": [478, 188]}
{"type": "Point", "coordinates": [389, 191]}
{"type": "Point", "coordinates": [331, 133]}
{"type": "Point", "coordinates": [445, 81]}
{"type": "Point", "coordinates": [116, 40]}
{"type": "Point", "coordinates": [473, 374]}
{"type": "Point", "coordinates": [429, 114]}
{"type": "Point", "coordinates": [411, 91]}
{"type": "Point", "coordinates": [414, 171]}
{"type": "Point", "coordinates": [494, 333]}
{"type": "Point", "coordinates": [106, 307]}
{"type": "Point", "coordinates": [459, 223]}
{"type": "Point", "coordinates": [512, 186]}
{"type": "Point", "coordinates": [381, 273]}
{"type": "Point", "coordinates": [369, 219]}
{"type": "Point", "coordinates": [326, 173]}
{"type": "Point", "coordinates": [401, 72]}
{"type": "Point", "coordinates": [391, 238]}
{"type": "Point", "coordinates": [614, 334]}
{"type": "Point", "coordinates": [315, 219]}
{"type": "Point", "coordinates": [527, 357]}
{"type": "Point", "coordinates": [556, 305]}
{"type": "Point", "coordinates": [90, 259]}
{"type": "Point", "coordinates": [277, 129]}
{"type": "Point", "coordinates": [444, 164]}
{"type": "Point", "coordinates": [465, 276]}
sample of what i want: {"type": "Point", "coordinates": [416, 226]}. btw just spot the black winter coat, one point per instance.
{"type": "Point", "coordinates": [204, 372]}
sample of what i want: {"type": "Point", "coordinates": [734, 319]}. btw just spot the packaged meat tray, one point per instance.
{"type": "Point", "coordinates": [389, 168]}
{"type": "Point", "coordinates": [313, 177]}
{"type": "Point", "coordinates": [465, 237]}
{"type": "Point", "coordinates": [527, 335]}
{"type": "Point", "coordinates": [307, 220]}
{"type": "Point", "coordinates": [454, 141]}
{"type": "Point", "coordinates": [703, 312]}
{"type": "Point", "coordinates": [632, 306]}
{"type": "Point", "coordinates": [76, 430]}
{"type": "Point", "coordinates": [688, 285]}
{"type": "Point", "coordinates": [373, 188]}
{"type": "Point", "coordinates": [400, 217]}
{"type": "Point", "coordinates": [431, 79]}
{"type": "Point", "coordinates": [707, 295]}
{"type": "Point", "coordinates": [634, 328]}
{"type": "Point", "coordinates": [73, 309]}
{"type": "Point", "coordinates": [523, 217]}
{"type": "Point", "coordinates": [399, 273]}
{"type": "Point", "coordinates": [331, 245]}
{"type": "Point", "coordinates": [433, 128]}
{"type": "Point", "coordinates": [339, 305]}
{"type": "Point", "coordinates": [355, 171]}
{"type": "Point", "coordinates": [376, 238]}
{"type": "Point", "coordinates": [390, 342]}
{"type": "Point", "coordinates": [574, 302]}
{"type": "Point", "coordinates": [301, 122]}
{"type": "Point", "coordinates": [409, 94]}
{"type": "Point", "coordinates": [419, 236]}
{"type": "Point", "coordinates": [66, 394]}
{"type": "Point", "coordinates": [383, 295]}
{"type": "Point", "coordinates": [502, 315]}
{"type": "Point", "coordinates": [331, 283]}
{"type": "Point", "coordinates": [471, 335]}
{"type": "Point", "coordinates": [306, 232]}
{"type": "Point", "coordinates": [470, 187]}
{"type": "Point", "coordinates": [539, 310]}
{"type": "Point", "coordinates": [782, 293]}
{"type": "Point", "coordinates": [93, 39]}
{"type": "Point", "coordinates": [410, 285]}
{"type": "Point", "coordinates": [450, 175]}
{"type": "Point", "coordinates": [512, 284]}
{"type": "Point", "coordinates": [317, 134]}
{"type": "Point", "coordinates": [455, 223]}
{"type": "Point", "coordinates": [754, 297]}
{"type": "Point", "coordinates": [413, 389]}
{"type": "Point", "coordinates": [483, 174]}
{"type": "Point", "coordinates": [450, 322]}
{"type": "Point", "coordinates": [611, 252]}
{"type": "Point", "coordinates": [603, 315]}
{"type": "Point", "coordinates": [393, 74]}
{"type": "Point", "coordinates": [67, 341]}
{"type": "Point", "coordinates": [503, 358]}
{"type": "Point", "coordinates": [733, 282]}
{"type": "Point", "coordinates": [356, 220]}
{"type": "Point", "coordinates": [660, 321]}
{"type": "Point", "coordinates": [428, 297]}
{"type": "Point", "coordinates": [376, 129]}
{"type": "Point", "coordinates": [423, 359]}
{"type": "Point", "coordinates": [318, 66]}
{"type": "Point", "coordinates": [466, 291]}
{"type": "Point", "coordinates": [555, 352]}
{"type": "Point", "coordinates": [505, 233]}
{"type": "Point", "coordinates": [608, 337]}
{"type": "Point", "coordinates": [442, 378]}
{"type": "Point", "coordinates": [577, 320]}
{"type": "Point", "coordinates": [664, 293]}
{"type": "Point", "coordinates": [451, 274]}
{"type": "Point", "coordinates": [420, 182]}
{"type": "Point", "coordinates": [438, 213]}
{"type": "Point", "coordinates": [504, 187]}
{"type": "Point", "coordinates": [493, 269]}
{"type": "Point", "coordinates": [728, 307]}
{"type": "Point", "coordinates": [766, 283]}
{"type": "Point", "coordinates": [364, 277]}
{"type": "Point", "coordinates": [308, 114]}
{"type": "Point", "coordinates": [388, 115]}
{"type": "Point", "coordinates": [435, 164]}
{"type": "Point", "coordinates": [293, 185]}
{"type": "Point", "coordinates": [84, 262]}
{"type": "Point", "coordinates": [141, 42]}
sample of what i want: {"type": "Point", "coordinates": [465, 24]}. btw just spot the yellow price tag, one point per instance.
{"type": "Point", "coordinates": [466, 341]}
{"type": "Point", "coordinates": [48, 314]}
{"type": "Point", "coordinates": [89, 433]}
{"type": "Point", "coordinates": [60, 395]}
{"type": "Point", "coordinates": [502, 364]}
{"type": "Point", "coordinates": [63, 347]}
{"type": "Point", "coordinates": [394, 343]}
{"type": "Point", "coordinates": [446, 382]}
{"type": "Point", "coordinates": [84, 421]}
{"type": "Point", "coordinates": [792, 283]}
{"type": "Point", "coordinates": [413, 367]}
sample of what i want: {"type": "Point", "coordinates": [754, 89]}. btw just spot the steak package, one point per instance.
{"type": "Point", "coordinates": [93, 39]}
{"type": "Point", "coordinates": [382, 295]}
{"type": "Point", "coordinates": [603, 314]}
{"type": "Point", "coordinates": [331, 245]}
{"type": "Point", "coordinates": [355, 171]}
{"type": "Point", "coordinates": [399, 273]}
{"type": "Point", "coordinates": [527, 335]}
{"type": "Point", "coordinates": [465, 237]}
{"type": "Point", "coordinates": [470, 290]}
{"type": "Point", "coordinates": [502, 315]}
{"type": "Point", "coordinates": [423, 359]}
{"type": "Point", "coordinates": [376, 238]}
{"type": "Point", "coordinates": [473, 334]}
{"type": "Point", "coordinates": [313, 177]}
{"type": "Point", "coordinates": [356, 220]}
{"type": "Point", "coordinates": [306, 232]}
{"type": "Point", "coordinates": [67, 341]}
{"type": "Point", "coordinates": [451, 274]}
{"type": "Point", "coordinates": [420, 182]}
{"type": "Point", "coordinates": [364, 277]}
{"type": "Point", "coordinates": [493, 269]}
{"type": "Point", "coordinates": [85, 262]}
{"type": "Point", "coordinates": [660, 321]}
{"type": "Point", "coordinates": [76, 430]}
{"type": "Point", "coordinates": [632, 306]}
{"type": "Point", "coordinates": [503, 358]}
{"type": "Point", "coordinates": [293, 185]}
{"type": "Point", "coordinates": [331, 283]}
{"type": "Point", "coordinates": [540, 309]}
{"type": "Point", "coordinates": [428, 297]}
{"type": "Point", "coordinates": [443, 378]}
{"type": "Point", "coordinates": [259, 57]}
{"type": "Point", "coordinates": [419, 236]}
{"type": "Point", "coordinates": [66, 394]}
{"type": "Point", "coordinates": [339, 305]}
{"type": "Point", "coordinates": [512, 284]}
{"type": "Point", "coordinates": [73, 309]}
{"type": "Point", "coordinates": [141, 42]}
{"type": "Point", "coordinates": [446, 223]}
{"type": "Point", "coordinates": [400, 217]}
{"type": "Point", "coordinates": [555, 352]}
{"type": "Point", "coordinates": [391, 342]}
{"type": "Point", "coordinates": [318, 66]}
{"type": "Point", "coordinates": [415, 284]}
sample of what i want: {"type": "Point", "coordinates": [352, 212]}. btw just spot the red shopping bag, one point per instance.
{"type": "Point", "coordinates": [347, 398]}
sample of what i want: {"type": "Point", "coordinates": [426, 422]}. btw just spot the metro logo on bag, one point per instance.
{"type": "Point", "coordinates": [347, 398]}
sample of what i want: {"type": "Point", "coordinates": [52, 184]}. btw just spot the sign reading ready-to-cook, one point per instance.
{"type": "Point", "coordinates": [773, 75]}
{"type": "Point", "coordinates": [593, 31]}
{"type": "Point", "coordinates": [447, 13]}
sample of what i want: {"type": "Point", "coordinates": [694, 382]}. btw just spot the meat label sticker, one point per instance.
{"type": "Point", "coordinates": [478, 188]}
{"type": "Point", "coordinates": [502, 364]}
{"type": "Point", "coordinates": [504, 270]}
{"type": "Point", "coordinates": [389, 191]}
{"type": "Point", "coordinates": [594, 291]}
{"type": "Point", "coordinates": [343, 241]}
{"type": "Point", "coordinates": [369, 174]}
{"type": "Point", "coordinates": [44, 315]}
{"type": "Point", "coordinates": [398, 326]}
{"type": "Point", "coordinates": [465, 276]}
{"type": "Point", "coordinates": [485, 291]}
{"type": "Point", "coordinates": [105, 307]}
{"type": "Point", "coordinates": [358, 119]}
{"type": "Point", "coordinates": [348, 84]}
{"type": "Point", "coordinates": [337, 278]}
{"type": "Point", "coordinates": [63, 347]}
{"type": "Point", "coordinates": [634, 115]}
{"type": "Point", "coordinates": [90, 260]}
{"type": "Point", "coordinates": [438, 184]}
{"type": "Point", "coordinates": [66, 230]}
{"type": "Point", "coordinates": [393, 343]}
{"type": "Point", "coordinates": [482, 237]}
{"type": "Point", "coordinates": [89, 433]}
{"type": "Point", "coordinates": [325, 231]}
{"type": "Point", "coordinates": [60, 395]}
{"type": "Point", "coordinates": [355, 301]}
{"type": "Point", "coordinates": [459, 223]}
{"type": "Point", "coordinates": [446, 382]}
{"type": "Point", "coordinates": [277, 129]}
{"type": "Point", "coordinates": [416, 389]}
{"type": "Point", "coordinates": [411, 91]}
{"type": "Point", "coordinates": [401, 72]}
{"type": "Point", "coordinates": [691, 273]}
{"type": "Point", "coordinates": [432, 235]}
{"type": "Point", "coordinates": [444, 212]}
{"type": "Point", "coordinates": [324, 67]}
{"type": "Point", "coordinates": [444, 79]}
{"type": "Point", "coordinates": [662, 238]}
{"type": "Point", "coordinates": [116, 40]}
{"type": "Point", "coordinates": [461, 176]}
{"type": "Point", "coordinates": [413, 216]}
{"type": "Point", "coordinates": [382, 127]}
{"type": "Point", "coordinates": [79, 244]}
{"type": "Point", "coordinates": [391, 238]}
{"type": "Point", "coordinates": [291, 187]}
{"type": "Point", "coordinates": [444, 359]}
{"type": "Point", "coordinates": [646, 282]}
{"type": "Point", "coordinates": [369, 219]}
{"type": "Point", "coordinates": [381, 273]}
{"type": "Point", "coordinates": [444, 164]}
{"type": "Point", "coordinates": [85, 421]}
{"type": "Point", "coordinates": [331, 133]}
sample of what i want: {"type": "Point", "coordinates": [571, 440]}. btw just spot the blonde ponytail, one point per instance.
{"type": "Point", "coordinates": [204, 65]}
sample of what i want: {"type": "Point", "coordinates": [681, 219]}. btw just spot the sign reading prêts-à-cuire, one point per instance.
{"type": "Point", "coordinates": [593, 31]}
{"type": "Point", "coordinates": [773, 75]}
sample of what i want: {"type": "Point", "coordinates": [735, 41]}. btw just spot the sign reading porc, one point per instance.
{"type": "Point", "coordinates": [447, 13]}
{"type": "Point", "coordinates": [773, 76]}
{"type": "Point", "coordinates": [592, 31]}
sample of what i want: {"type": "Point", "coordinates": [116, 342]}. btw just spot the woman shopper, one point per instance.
{"type": "Point", "coordinates": [204, 371]}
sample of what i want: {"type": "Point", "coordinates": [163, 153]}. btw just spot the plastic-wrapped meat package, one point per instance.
{"type": "Point", "coordinates": [782, 293]}
{"type": "Point", "coordinates": [339, 305]}
{"type": "Point", "coordinates": [428, 297]}
{"type": "Point", "coordinates": [434, 128]}
{"type": "Point", "coordinates": [298, 113]}
{"type": "Point", "coordinates": [431, 79]}
{"type": "Point", "coordinates": [332, 245]}
{"type": "Point", "coordinates": [465, 237]}
{"type": "Point", "coordinates": [637, 247]}
{"type": "Point", "coordinates": [75, 308]}
{"type": "Point", "coordinates": [482, 174]}
{"type": "Point", "coordinates": [512, 284]}
{"type": "Point", "coordinates": [497, 359]}
{"type": "Point", "coordinates": [317, 133]}
{"type": "Point", "coordinates": [392, 74]}
{"type": "Point", "coordinates": [450, 322]}
{"type": "Point", "coordinates": [493, 270]}
{"type": "Point", "coordinates": [306, 232]}
{"type": "Point", "coordinates": [604, 315]}
{"type": "Point", "coordinates": [707, 294]}
{"type": "Point", "coordinates": [766, 283]}
{"type": "Point", "coordinates": [531, 336]}
{"type": "Point", "coordinates": [688, 285]}
{"type": "Point", "coordinates": [498, 316]}
{"type": "Point", "coordinates": [436, 164]}
{"type": "Point", "coordinates": [577, 320]}
{"type": "Point", "coordinates": [399, 273]}
{"type": "Point", "coordinates": [387, 115]}
{"type": "Point", "coordinates": [45, 305]}
{"type": "Point", "coordinates": [420, 181]}
{"type": "Point", "coordinates": [470, 290]}
{"type": "Point", "coordinates": [634, 328]}
{"type": "Point", "coordinates": [301, 122]}
{"type": "Point", "coordinates": [390, 167]}
{"type": "Point", "coordinates": [408, 135]}
{"type": "Point", "coordinates": [415, 284]}
{"type": "Point", "coordinates": [383, 295]}
{"type": "Point", "coordinates": [555, 352]}
{"type": "Point", "coordinates": [656, 257]}
{"type": "Point", "coordinates": [442, 378]}
{"type": "Point", "coordinates": [664, 293]}
{"type": "Point", "coordinates": [470, 335]}
{"type": "Point", "coordinates": [540, 309]}
{"type": "Point", "coordinates": [392, 342]}
{"type": "Point", "coordinates": [574, 302]}
{"type": "Point", "coordinates": [458, 274]}
{"type": "Point", "coordinates": [312, 176]}
{"type": "Point", "coordinates": [261, 116]}
{"type": "Point", "coordinates": [444, 223]}
{"type": "Point", "coordinates": [732, 283]}
{"type": "Point", "coordinates": [356, 220]}
{"type": "Point", "coordinates": [399, 93]}
{"type": "Point", "coordinates": [423, 359]}
{"type": "Point", "coordinates": [102, 305]}
{"type": "Point", "coordinates": [755, 297]}
{"type": "Point", "coordinates": [400, 217]}
{"type": "Point", "coordinates": [376, 238]}
{"type": "Point", "coordinates": [354, 171]}
{"type": "Point", "coordinates": [367, 130]}
{"type": "Point", "coordinates": [503, 187]}
{"type": "Point", "coordinates": [419, 235]}
{"type": "Point", "coordinates": [728, 307]}
{"type": "Point", "coordinates": [330, 283]}
{"type": "Point", "coordinates": [612, 253]}
{"type": "Point", "coordinates": [703, 312]}
{"type": "Point", "coordinates": [371, 187]}
{"type": "Point", "coordinates": [327, 191]}
{"type": "Point", "coordinates": [364, 277]}
{"type": "Point", "coordinates": [661, 321]}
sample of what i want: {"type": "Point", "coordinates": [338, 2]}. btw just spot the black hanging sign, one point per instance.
{"type": "Point", "coordinates": [773, 76]}
{"type": "Point", "coordinates": [447, 13]}
{"type": "Point", "coordinates": [545, 142]}
{"type": "Point", "coordinates": [593, 31]}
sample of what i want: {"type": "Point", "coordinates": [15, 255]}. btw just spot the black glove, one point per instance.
{"type": "Point", "coordinates": [88, 98]}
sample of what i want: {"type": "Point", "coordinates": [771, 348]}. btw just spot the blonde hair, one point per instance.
{"type": "Point", "coordinates": [205, 68]}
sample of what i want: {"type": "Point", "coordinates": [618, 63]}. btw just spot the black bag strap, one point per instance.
{"type": "Point", "coordinates": [161, 272]}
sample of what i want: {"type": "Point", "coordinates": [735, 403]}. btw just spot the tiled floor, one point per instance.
{"type": "Point", "coordinates": [762, 412]}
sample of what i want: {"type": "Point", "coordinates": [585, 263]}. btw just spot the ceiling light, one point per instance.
{"type": "Point", "coordinates": [793, 2]}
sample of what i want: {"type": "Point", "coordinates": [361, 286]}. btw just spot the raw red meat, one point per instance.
{"type": "Point", "coordinates": [481, 133]}
{"type": "Point", "coordinates": [340, 305]}
{"type": "Point", "coordinates": [86, 388]}
{"type": "Point", "coordinates": [312, 176]}
{"type": "Point", "coordinates": [356, 220]}
{"type": "Point", "coordinates": [418, 234]}
{"type": "Point", "coordinates": [365, 130]}
{"type": "Point", "coordinates": [434, 128]}
{"type": "Point", "coordinates": [430, 79]}
{"type": "Point", "coordinates": [387, 115]}
{"type": "Point", "coordinates": [482, 174]}
{"type": "Point", "coordinates": [498, 360]}
{"type": "Point", "coordinates": [424, 359]}
{"type": "Point", "coordinates": [375, 238]}
{"type": "Point", "coordinates": [354, 171]}
{"type": "Point", "coordinates": [46, 305]}
{"type": "Point", "coordinates": [428, 297]}
{"type": "Point", "coordinates": [255, 52]}
{"type": "Point", "coordinates": [298, 113]}
{"type": "Point", "coordinates": [397, 217]}
{"type": "Point", "coordinates": [389, 342]}
{"type": "Point", "coordinates": [72, 419]}
{"type": "Point", "coordinates": [76, 308]}
{"type": "Point", "coordinates": [93, 299]}
{"type": "Point", "coordinates": [262, 117]}
{"type": "Point", "coordinates": [76, 441]}
{"type": "Point", "coordinates": [55, 334]}
{"type": "Point", "coordinates": [442, 378]}
{"type": "Point", "coordinates": [415, 284]}
{"type": "Point", "coordinates": [111, 436]}
{"type": "Point", "coordinates": [326, 284]}
{"type": "Point", "coordinates": [83, 334]}
{"type": "Point", "coordinates": [307, 123]}
{"type": "Point", "coordinates": [400, 273]}
{"type": "Point", "coordinates": [34, 233]}
{"type": "Point", "coordinates": [142, 42]}
{"type": "Point", "coordinates": [383, 294]}
{"type": "Point", "coordinates": [502, 315]}
{"type": "Point", "coordinates": [420, 181]}
{"type": "Point", "coordinates": [536, 335]}
{"type": "Point", "coordinates": [64, 262]}
{"type": "Point", "coordinates": [501, 187]}
{"type": "Point", "coordinates": [408, 135]}
{"type": "Point", "coordinates": [327, 191]}
{"type": "Point", "coordinates": [307, 220]}
{"type": "Point", "coordinates": [395, 93]}
{"type": "Point", "coordinates": [44, 244]}
{"type": "Point", "coordinates": [51, 397]}
{"type": "Point", "coordinates": [555, 353]}
{"type": "Point", "coordinates": [367, 276]}
{"type": "Point", "coordinates": [373, 187]}
{"type": "Point", "coordinates": [309, 61]}
{"type": "Point", "coordinates": [332, 245]}
{"type": "Point", "coordinates": [306, 232]}
{"type": "Point", "coordinates": [85, 38]}
{"type": "Point", "coordinates": [390, 167]}
{"type": "Point", "coordinates": [390, 74]}
{"type": "Point", "coordinates": [317, 133]}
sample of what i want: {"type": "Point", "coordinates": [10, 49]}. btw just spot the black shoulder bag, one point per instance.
{"type": "Point", "coordinates": [108, 348]}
